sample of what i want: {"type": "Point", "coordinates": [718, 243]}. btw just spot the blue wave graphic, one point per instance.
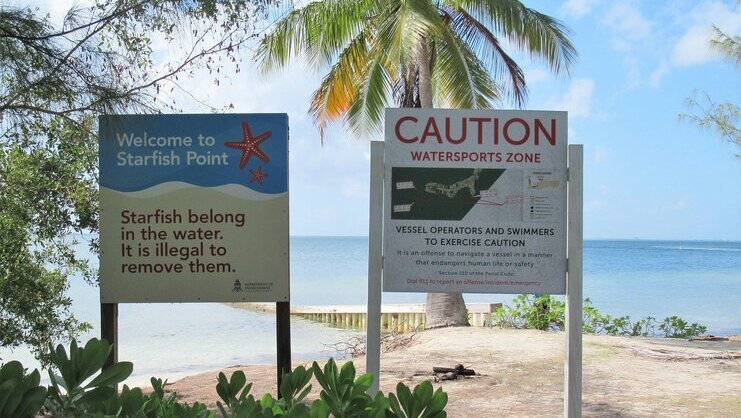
{"type": "Point", "coordinates": [141, 151]}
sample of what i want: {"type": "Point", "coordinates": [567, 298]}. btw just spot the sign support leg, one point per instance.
{"type": "Point", "coordinates": [574, 315]}
{"type": "Point", "coordinates": [109, 330]}
{"type": "Point", "coordinates": [283, 334]}
{"type": "Point", "coordinates": [375, 261]}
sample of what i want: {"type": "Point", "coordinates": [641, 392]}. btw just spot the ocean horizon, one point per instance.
{"type": "Point", "coordinates": [699, 281]}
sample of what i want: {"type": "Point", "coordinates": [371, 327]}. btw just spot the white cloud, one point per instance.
{"type": "Point", "coordinates": [627, 24]}
{"type": "Point", "coordinates": [578, 8]}
{"type": "Point", "coordinates": [632, 72]}
{"type": "Point", "coordinates": [692, 47]}
{"type": "Point", "coordinates": [536, 75]}
{"type": "Point", "coordinates": [578, 99]}
{"type": "Point", "coordinates": [658, 74]}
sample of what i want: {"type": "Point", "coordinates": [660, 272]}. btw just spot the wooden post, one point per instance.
{"type": "Point", "coordinates": [283, 335]}
{"type": "Point", "coordinates": [574, 318]}
{"type": "Point", "coordinates": [109, 330]}
{"type": "Point", "coordinates": [375, 264]}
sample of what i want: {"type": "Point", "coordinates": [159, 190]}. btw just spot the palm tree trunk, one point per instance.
{"type": "Point", "coordinates": [441, 309]}
{"type": "Point", "coordinates": [425, 76]}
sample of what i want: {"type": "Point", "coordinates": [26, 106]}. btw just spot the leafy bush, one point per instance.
{"type": "Point", "coordinates": [80, 388]}
{"type": "Point", "coordinates": [548, 313]}
{"type": "Point", "coordinates": [69, 394]}
{"type": "Point", "coordinates": [422, 403]}
{"type": "Point", "coordinates": [675, 327]}
{"type": "Point", "coordinates": [342, 396]}
{"type": "Point", "coordinates": [20, 394]}
{"type": "Point", "coordinates": [543, 312]}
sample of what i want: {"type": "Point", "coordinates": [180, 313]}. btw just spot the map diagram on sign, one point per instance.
{"type": "Point", "coordinates": [474, 194]}
{"type": "Point", "coordinates": [447, 193]}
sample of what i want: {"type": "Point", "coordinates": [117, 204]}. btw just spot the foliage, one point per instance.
{"type": "Point", "coordinates": [54, 81]}
{"type": "Point", "coordinates": [71, 391]}
{"type": "Point", "coordinates": [44, 195]}
{"type": "Point", "coordinates": [720, 117]}
{"type": "Point", "coordinates": [381, 51]}
{"type": "Point", "coordinates": [342, 395]}
{"type": "Point", "coordinates": [80, 388]}
{"type": "Point", "coordinates": [422, 403]}
{"type": "Point", "coordinates": [542, 312]}
{"type": "Point", "coordinates": [545, 312]}
{"type": "Point", "coordinates": [20, 394]}
{"type": "Point", "coordinates": [132, 403]}
{"type": "Point", "coordinates": [675, 327]}
{"type": "Point", "coordinates": [239, 403]}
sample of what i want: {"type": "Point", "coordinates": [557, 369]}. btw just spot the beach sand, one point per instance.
{"type": "Point", "coordinates": [519, 373]}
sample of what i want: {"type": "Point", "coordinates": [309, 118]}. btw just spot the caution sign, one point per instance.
{"type": "Point", "coordinates": [475, 201]}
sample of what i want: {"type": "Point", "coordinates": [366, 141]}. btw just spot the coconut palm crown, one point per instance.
{"type": "Point", "coordinates": [379, 53]}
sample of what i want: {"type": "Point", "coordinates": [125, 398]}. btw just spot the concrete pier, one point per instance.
{"type": "Point", "coordinates": [399, 317]}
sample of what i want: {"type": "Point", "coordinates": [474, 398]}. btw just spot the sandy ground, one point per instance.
{"type": "Point", "coordinates": [520, 374]}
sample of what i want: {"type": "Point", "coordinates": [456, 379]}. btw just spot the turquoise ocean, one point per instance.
{"type": "Point", "coordinates": [699, 281]}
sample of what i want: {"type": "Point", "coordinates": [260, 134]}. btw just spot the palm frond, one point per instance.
{"type": "Point", "coordinates": [538, 34]}
{"type": "Point", "coordinates": [460, 79]}
{"type": "Point", "coordinates": [506, 73]}
{"type": "Point", "coordinates": [401, 27]}
{"type": "Point", "coordinates": [332, 100]}
{"type": "Point", "coordinates": [317, 32]}
{"type": "Point", "coordinates": [365, 114]}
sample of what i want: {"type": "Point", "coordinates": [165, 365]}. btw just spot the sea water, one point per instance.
{"type": "Point", "coordinates": [699, 281]}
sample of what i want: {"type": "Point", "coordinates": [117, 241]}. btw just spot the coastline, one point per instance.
{"type": "Point", "coordinates": [520, 373]}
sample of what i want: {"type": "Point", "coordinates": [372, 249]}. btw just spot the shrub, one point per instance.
{"type": "Point", "coordinates": [69, 394]}
{"type": "Point", "coordinates": [548, 313]}
{"type": "Point", "coordinates": [543, 312]}
{"type": "Point", "coordinates": [81, 388]}
{"type": "Point", "coordinates": [20, 394]}
{"type": "Point", "coordinates": [675, 327]}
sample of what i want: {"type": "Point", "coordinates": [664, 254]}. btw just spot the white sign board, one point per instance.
{"type": "Point", "coordinates": [475, 201]}
{"type": "Point", "coordinates": [194, 208]}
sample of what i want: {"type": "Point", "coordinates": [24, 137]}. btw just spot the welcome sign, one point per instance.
{"type": "Point", "coordinates": [475, 201]}
{"type": "Point", "coordinates": [194, 208]}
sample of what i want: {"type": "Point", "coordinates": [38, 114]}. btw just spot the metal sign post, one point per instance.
{"type": "Point", "coordinates": [375, 261]}
{"type": "Point", "coordinates": [574, 309]}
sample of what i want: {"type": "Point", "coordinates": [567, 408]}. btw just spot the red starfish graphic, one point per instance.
{"type": "Point", "coordinates": [250, 145]}
{"type": "Point", "coordinates": [258, 175]}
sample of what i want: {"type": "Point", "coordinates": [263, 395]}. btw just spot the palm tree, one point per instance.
{"type": "Point", "coordinates": [414, 53]}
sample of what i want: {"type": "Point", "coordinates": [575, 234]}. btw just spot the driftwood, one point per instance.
{"type": "Point", "coordinates": [356, 346]}
{"type": "Point", "coordinates": [708, 338]}
{"type": "Point", "coordinates": [446, 373]}
{"type": "Point", "coordinates": [684, 355]}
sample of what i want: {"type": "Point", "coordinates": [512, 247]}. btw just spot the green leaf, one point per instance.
{"type": "Point", "coordinates": [32, 379]}
{"type": "Point", "coordinates": [31, 403]}
{"type": "Point", "coordinates": [438, 401]}
{"type": "Point", "coordinates": [97, 395]}
{"type": "Point", "coordinates": [113, 375]}
{"type": "Point", "coordinates": [90, 359]}
{"type": "Point", "coordinates": [364, 381]}
{"type": "Point", "coordinates": [237, 381]}
{"type": "Point", "coordinates": [6, 390]}
{"type": "Point", "coordinates": [10, 370]}
{"type": "Point", "coordinates": [319, 409]}
{"type": "Point", "coordinates": [267, 401]}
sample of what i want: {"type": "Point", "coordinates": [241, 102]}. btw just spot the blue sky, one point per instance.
{"type": "Point", "coordinates": [647, 175]}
